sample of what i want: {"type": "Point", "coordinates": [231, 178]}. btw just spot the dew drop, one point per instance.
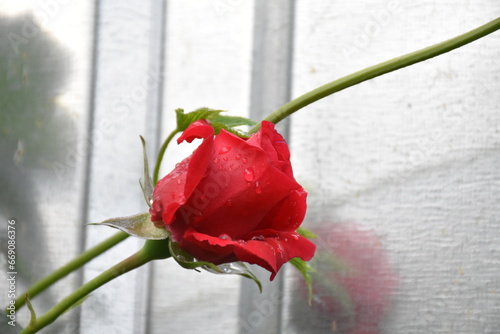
{"type": "Point", "coordinates": [248, 174]}
{"type": "Point", "coordinates": [175, 174]}
{"type": "Point", "coordinates": [224, 149]}
{"type": "Point", "coordinates": [225, 236]}
{"type": "Point", "coordinates": [244, 160]}
{"type": "Point", "coordinates": [225, 158]}
{"type": "Point", "coordinates": [295, 236]}
{"type": "Point", "coordinates": [259, 238]}
{"type": "Point", "coordinates": [258, 189]}
{"type": "Point", "coordinates": [237, 156]}
{"type": "Point", "coordinates": [157, 206]}
{"type": "Point", "coordinates": [216, 159]}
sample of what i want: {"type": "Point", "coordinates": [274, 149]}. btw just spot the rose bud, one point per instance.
{"type": "Point", "coordinates": [234, 199]}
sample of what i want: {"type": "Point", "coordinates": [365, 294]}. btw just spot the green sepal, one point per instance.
{"type": "Point", "coordinates": [138, 226]}
{"type": "Point", "coordinates": [237, 268]}
{"type": "Point", "coordinates": [306, 233]}
{"type": "Point", "coordinates": [147, 187]}
{"type": "Point", "coordinates": [187, 261]}
{"type": "Point", "coordinates": [306, 270]}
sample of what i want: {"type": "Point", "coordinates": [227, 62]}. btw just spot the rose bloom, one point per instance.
{"type": "Point", "coordinates": [234, 199]}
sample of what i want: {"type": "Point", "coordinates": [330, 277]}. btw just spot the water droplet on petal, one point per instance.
{"type": "Point", "coordinates": [248, 174]}
{"type": "Point", "coordinates": [175, 174]}
{"type": "Point", "coordinates": [244, 160]}
{"type": "Point", "coordinates": [225, 158]}
{"type": "Point", "coordinates": [258, 189]}
{"type": "Point", "coordinates": [237, 156]}
{"type": "Point", "coordinates": [216, 159]}
{"type": "Point", "coordinates": [259, 238]}
{"type": "Point", "coordinates": [224, 149]}
{"type": "Point", "coordinates": [157, 206]}
{"type": "Point", "coordinates": [225, 237]}
{"type": "Point", "coordinates": [295, 236]}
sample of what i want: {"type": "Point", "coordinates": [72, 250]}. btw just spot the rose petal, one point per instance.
{"type": "Point", "coordinates": [268, 249]}
{"type": "Point", "coordinates": [199, 129]}
{"type": "Point", "coordinates": [288, 214]}
{"type": "Point", "coordinates": [274, 145]}
{"type": "Point", "coordinates": [174, 189]}
{"type": "Point", "coordinates": [271, 249]}
{"type": "Point", "coordinates": [208, 248]}
{"type": "Point", "coordinates": [240, 189]}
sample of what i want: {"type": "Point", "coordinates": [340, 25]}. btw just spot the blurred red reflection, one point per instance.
{"type": "Point", "coordinates": [353, 282]}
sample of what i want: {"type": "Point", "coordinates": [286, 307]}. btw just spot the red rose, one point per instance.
{"type": "Point", "coordinates": [234, 200]}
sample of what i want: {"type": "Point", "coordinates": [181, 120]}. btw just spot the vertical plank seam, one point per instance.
{"type": "Point", "coordinates": [89, 149]}
{"type": "Point", "coordinates": [158, 106]}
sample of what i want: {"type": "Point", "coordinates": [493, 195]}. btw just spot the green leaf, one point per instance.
{"type": "Point", "coordinates": [306, 233]}
{"type": "Point", "coordinates": [306, 270]}
{"type": "Point", "coordinates": [219, 126]}
{"type": "Point", "coordinates": [232, 121]}
{"type": "Point", "coordinates": [138, 226]}
{"type": "Point", "coordinates": [217, 121]}
{"type": "Point", "coordinates": [184, 120]}
{"type": "Point", "coordinates": [229, 123]}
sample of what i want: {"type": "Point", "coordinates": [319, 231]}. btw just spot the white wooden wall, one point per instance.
{"type": "Point", "coordinates": [413, 156]}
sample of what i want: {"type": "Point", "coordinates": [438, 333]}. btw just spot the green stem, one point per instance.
{"type": "Point", "coordinates": [161, 153]}
{"type": "Point", "coordinates": [152, 250]}
{"type": "Point", "coordinates": [74, 264]}
{"type": "Point", "coordinates": [379, 69]}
